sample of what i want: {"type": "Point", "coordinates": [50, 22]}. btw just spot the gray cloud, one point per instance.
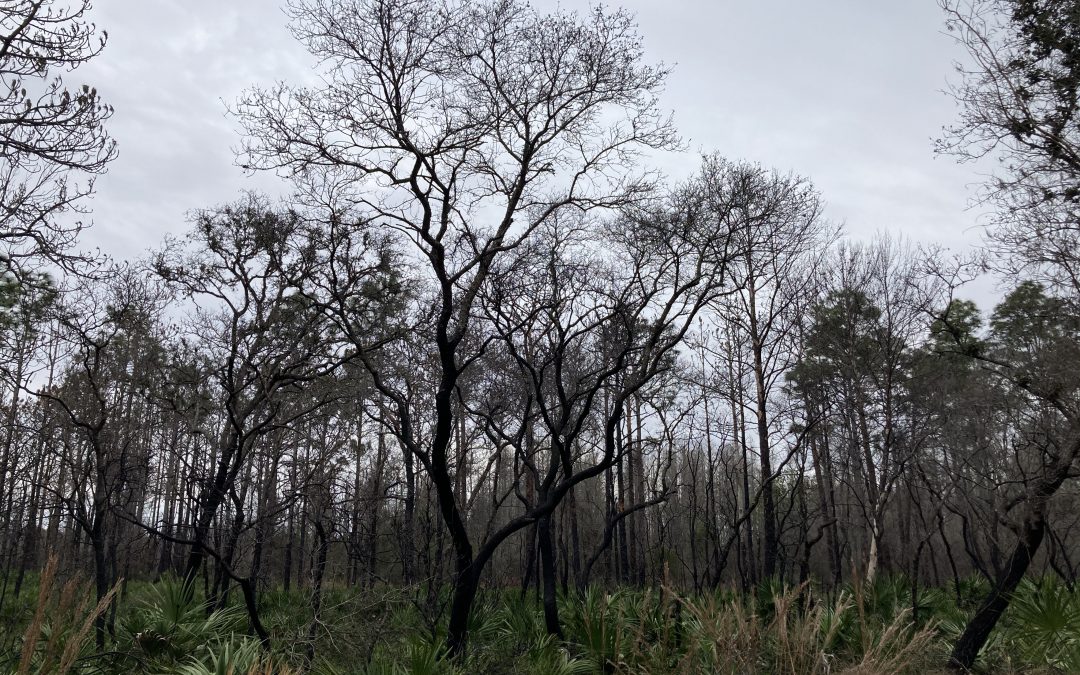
{"type": "Point", "coordinates": [846, 92]}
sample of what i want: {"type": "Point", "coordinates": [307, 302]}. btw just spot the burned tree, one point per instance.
{"type": "Point", "coordinates": [463, 128]}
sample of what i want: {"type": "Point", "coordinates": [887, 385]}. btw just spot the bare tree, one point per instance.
{"type": "Point", "coordinates": [463, 127]}
{"type": "Point", "coordinates": [105, 331]}
{"type": "Point", "coordinates": [783, 237]}
{"type": "Point", "coordinates": [1019, 103]}
{"type": "Point", "coordinates": [48, 133]}
{"type": "Point", "coordinates": [590, 333]}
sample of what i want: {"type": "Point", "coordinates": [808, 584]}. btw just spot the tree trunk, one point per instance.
{"type": "Point", "coordinates": [993, 606]}
{"type": "Point", "coordinates": [465, 585]}
{"type": "Point", "coordinates": [321, 547]}
{"type": "Point", "coordinates": [101, 579]}
{"type": "Point", "coordinates": [547, 564]}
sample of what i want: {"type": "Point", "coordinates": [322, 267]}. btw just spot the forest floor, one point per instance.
{"type": "Point", "coordinates": [157, 628]}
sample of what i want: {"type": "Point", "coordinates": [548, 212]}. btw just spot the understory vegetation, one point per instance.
{"type": "Point", "coordinates": [864, 628]}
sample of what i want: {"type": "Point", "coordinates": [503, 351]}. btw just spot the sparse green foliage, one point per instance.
{"type": "Point", "coordinates": [172, 624]}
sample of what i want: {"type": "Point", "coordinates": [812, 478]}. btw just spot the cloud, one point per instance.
{"type": "Point", "coordinates": [847, 93]}
{"type": "Point", "coordinates": [169, 69]}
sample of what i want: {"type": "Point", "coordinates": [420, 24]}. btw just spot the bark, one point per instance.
{"type": "Point", "coordinates": [1029, 538]}
{"type": "Point", "coordinates": [978, 629]}
{"type": "Point", "coordinates": [408, 530]}
{"type": "Point", "coordinates": [547, 565]}
{"type": "Point", "coordinates": [101, 579]}
{"type": "Point", "coordinates": [769, 543]}
{"type": "Point", "coordinates": [322, 546]}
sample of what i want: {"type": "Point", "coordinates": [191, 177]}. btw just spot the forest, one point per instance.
{"type": "Point", "coordinates": [486, 392]}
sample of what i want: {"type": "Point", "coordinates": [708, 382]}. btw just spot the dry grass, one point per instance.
{"type": "Point", "coordinates": [58, 643]}
{"type": "Point", "coordinates": [797, 634]}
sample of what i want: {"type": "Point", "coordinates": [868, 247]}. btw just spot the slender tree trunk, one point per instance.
{"type": "Point", "coordinates": [408, 530]}
{"type": "Point", "coordinates": [768, 498]}
{"type": "Point", "coordinates": [769, 543]}
{"type": "Point", "coordinates": [247, 589]}
{"type": "Point", "coordinates": [623, 551]}
{"type": "Point", "coordinates": [376, 503]}
{"type": "Point", "coordinates": [322, 546]}
{"type": "Point", "coordinates": [575, 538]}
{"type": "Point", "coordinates": [101, 578]}
{"type": "Point", "coordinates": [642, 523]}
{"type": "Point", "coordinates": [287, 555]}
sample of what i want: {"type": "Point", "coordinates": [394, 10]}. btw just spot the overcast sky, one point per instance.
{"type": "Point", "coordinates": [845, 92]}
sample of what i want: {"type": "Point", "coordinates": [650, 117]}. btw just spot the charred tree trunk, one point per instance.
{"type": "Point", "coordinates": [322, 546]}
{"type": "Point", "coordinates": [547, 566]}
{"type": "Point", "coordinates": [978, 629]}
